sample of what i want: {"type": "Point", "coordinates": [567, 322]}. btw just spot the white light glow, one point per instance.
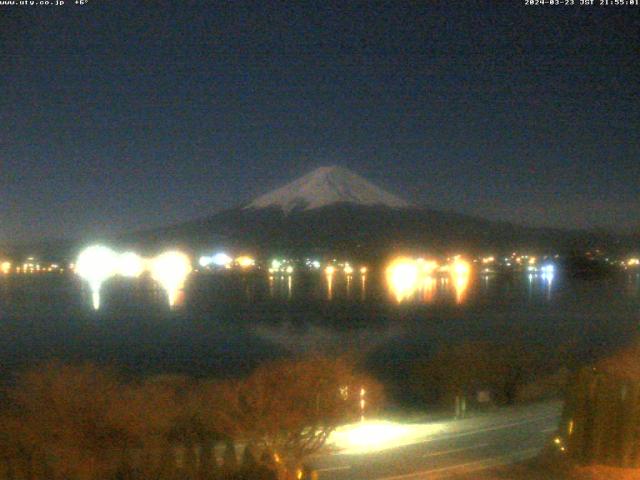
{"type": "Point", "coordinates": [95, 265]}
{"type": "Point", "coordinates": [377, 435]}
{"type": "Point", "coordinates": [221, 259]}
{"type": "Point", "coordinates": [276, 264]}
{"type": "Point", "coordinates": [170, 270]}
{"type": "Point", "coordinates": [130, 265]}
{"type": "Point", "coordinates": [549, 269]}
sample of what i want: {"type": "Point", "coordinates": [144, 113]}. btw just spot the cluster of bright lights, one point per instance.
{"type": "Point", "coordinates": [549, 269]}
{"type": "Point", "coordinates": [520, 260]}
{"type": "Point", "coordinates": [220, 260]}
{"type": "Point", "coordinates": [406, 276]}
{"type": "Point", "coordinates": [29, 266]}
{"type": "Point", "coordinates": [245, 261]}
{"type": "Point", "coordinates": [633, 262]}
{"type": "Point", "coordinates": [547, 272]}
{"type": "Point", "coordinates": [224, 261]}
{"type": "Point", "coordinates": [334, 267]}
{"type": "Point", "coordinates": [312, 264]}
{"type": "Point", "coordinates": [97, 264]}
{"type": "Point", "coordinates": [288, 266]}
{"type": "Point", "coordinates": [531, 264]}
{"type": "Point", "coordinates": [282, 266]}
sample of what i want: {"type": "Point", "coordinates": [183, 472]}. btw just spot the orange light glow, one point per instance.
{"type": "Point", "coordinates": [402, 277]}
{"type": "Point", "coordinates": [460, 271]}
{"type": "Point", "coordinates": [245, 261]}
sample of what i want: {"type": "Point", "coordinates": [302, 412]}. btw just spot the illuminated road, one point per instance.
{"type": "Point", "coordinates": [444, 450]}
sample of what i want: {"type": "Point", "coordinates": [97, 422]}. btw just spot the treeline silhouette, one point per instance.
{"type": "Point", "coordinates": [510, 373]}
{"type": "Point", "coordinates": [85, 422]}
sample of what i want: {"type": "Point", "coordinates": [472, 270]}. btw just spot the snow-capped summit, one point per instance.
{"type": "Point", "coordinates": [326, 186]}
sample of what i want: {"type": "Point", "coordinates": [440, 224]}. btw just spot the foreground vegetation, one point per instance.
{"type": "Point", "coordinates": [85, 422]}
{"type": "Point", "coordinates": [599, 435]}
{"type": "Point", "coordinates": [62, 422]}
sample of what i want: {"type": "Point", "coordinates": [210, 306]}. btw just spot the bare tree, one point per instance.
{"type": "Point", "coordinates": [83, 423]}
{"type": "Point", "coordinates": [61, 422]}
{"type": "Point", "coordinates": [288, 408]}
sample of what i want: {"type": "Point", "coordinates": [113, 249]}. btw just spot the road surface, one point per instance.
{"type": "Point", "coordinates": [442, 450]}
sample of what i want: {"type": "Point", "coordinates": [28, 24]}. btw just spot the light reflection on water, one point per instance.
{"type": "Point", "coordinates": [439, 288]}
{"type": "Point", "coordinates": [633, 284]}
{"type": "Point", "coordinates": [456, 288]}
{"type": "Point", "coordinates": [228, 318]}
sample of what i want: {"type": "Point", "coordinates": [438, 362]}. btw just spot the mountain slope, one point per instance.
{"type": "Point", "coordinates": [333, 209]}
{"type": "Point", "coordinates": [327, 186]}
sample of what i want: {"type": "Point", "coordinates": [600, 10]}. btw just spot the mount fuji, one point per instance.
{"type": "Point", "coordinates": [332, 209]}
{"type": "Point", "coordinates": [327, 186]}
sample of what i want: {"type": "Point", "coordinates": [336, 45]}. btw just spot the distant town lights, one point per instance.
{"type": "Point", "coordinates": [221, 259]}
{"type": "Point", "coordinates": [548, 269]}
{"type": "Point", "coordinates": [245, 261]}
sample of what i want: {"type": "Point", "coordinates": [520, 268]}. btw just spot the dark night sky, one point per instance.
{"type": "Point", "coordinates": [124, 114]}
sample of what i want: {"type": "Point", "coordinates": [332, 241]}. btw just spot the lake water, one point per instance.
{"type": "Point", "coordinates": [226, 323]}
